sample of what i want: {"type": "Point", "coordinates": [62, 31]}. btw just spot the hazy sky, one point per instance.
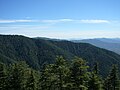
{"type": "Point", "coordinates": [61, 18]}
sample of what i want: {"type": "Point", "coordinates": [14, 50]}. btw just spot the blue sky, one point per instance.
{"type": "Point", "coordinates": [63, 19]}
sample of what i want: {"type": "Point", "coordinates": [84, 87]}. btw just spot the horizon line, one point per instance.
{"type": "Point", "coordinates": [60, 38]}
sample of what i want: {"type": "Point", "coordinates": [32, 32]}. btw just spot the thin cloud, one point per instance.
{"type": "Point", "coordinates": [16, 21]}
{"type": "Point", "coordinates": [42, 21]}
{"type": "Point", "coordinates": [76, 21]}
{"type": "Point", "coordinates": [55, 21]}
{"type": "Point", "coordinates": [94, 21]}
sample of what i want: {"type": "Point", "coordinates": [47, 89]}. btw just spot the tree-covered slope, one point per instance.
{"type": "Point", "coordinates": [37, 52]}
{"type": "Point", "coordinates": [91, 54]}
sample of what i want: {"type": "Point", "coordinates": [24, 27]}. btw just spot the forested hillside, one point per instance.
{"type": "Point", "coordinates": [38, 52]}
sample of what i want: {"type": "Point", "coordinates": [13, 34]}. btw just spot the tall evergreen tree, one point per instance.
{"type": "Point", "coordinates": [54, 76]}
{"type": "Point", "coordinates": [17, 78]}
{"type": "Point", "coordinates": [79, 74]}
{"type": "Point", "coordinates": [3, 77]}
{"type": "Point", "coordinates": [62, 71]}
{"type": "Point", "coordinates": [95, 82]}
{"type": "Point", "coordinates": [112, 82]}
{"type": "Point", "coordinates": [31, 81]}
{"type": "Point", "coordinates": [47, 78]}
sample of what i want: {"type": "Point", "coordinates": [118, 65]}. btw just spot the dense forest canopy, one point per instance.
{"type": "Point", "coordinates": [62, 75]}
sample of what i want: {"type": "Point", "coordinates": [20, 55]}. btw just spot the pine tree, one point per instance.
{"type": "Point", "coordinates": [112, 82]}
{"type": "Point", "coordinates": [62, 71]}
{"type": "Point", "coordinates": [107, 84]}
{"type": "Point", "coordinates": [17, 78]}
{"type": "Point", "coordinates": [95, 82]}
{"type": "Point", "coordinates": [31, 81]}
{"type": "Point", "coordinates": [47, 78]}
{"type": "Point", "coordinates": [3, 77]}
{"type": "Point", "coordinates": [79, 74]}
{"type": "Point", "coordinates": [53, 77]}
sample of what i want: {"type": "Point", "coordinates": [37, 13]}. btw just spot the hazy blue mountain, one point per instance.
{"type": "Point", "coordinates": [106, 43]}
{"type": "Point", "coordinates": [110, 40]}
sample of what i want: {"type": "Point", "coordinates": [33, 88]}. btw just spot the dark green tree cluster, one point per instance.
{"type": "Point", "coordinates": [61, 75]}
{"type": "Point", "coordinates": [17, 76]}
{"type": "Point", "coordinates": [112, 82]}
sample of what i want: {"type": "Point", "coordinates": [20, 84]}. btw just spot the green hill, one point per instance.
{"type": "Point", "coordinates": [37, 52]}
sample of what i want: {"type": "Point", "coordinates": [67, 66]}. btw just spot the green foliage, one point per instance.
{"type": "Point", "coordinates": [31, 81]}
{"type": "Point", "coordinates": [95, 82]}
{"type": "Point", "coordinates": [17, 75]}
{"type": "Point", "coordinates": [79, 74]}
{"type": "Point", "coordinates": [47, 78]}
{"type": "Point", "coordinates": [60, 75]}
{"type": "Point", "coordinates": [61, 71]}
{"type": "Point", "coordinates": [55, 75]}
{"type": "Point", "coordinates": [3, 77]}
{"type": "Point", "coordinates": [112, 82]}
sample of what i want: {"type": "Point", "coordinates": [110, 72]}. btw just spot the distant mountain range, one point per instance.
{"type": "Point", "coordinates": [106, 43]}
{"type": "Point", "coordinates": [39, 51]}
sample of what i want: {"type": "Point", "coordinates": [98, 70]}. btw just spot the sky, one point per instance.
{"type": "Point", "coordinates": [61, 19]}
